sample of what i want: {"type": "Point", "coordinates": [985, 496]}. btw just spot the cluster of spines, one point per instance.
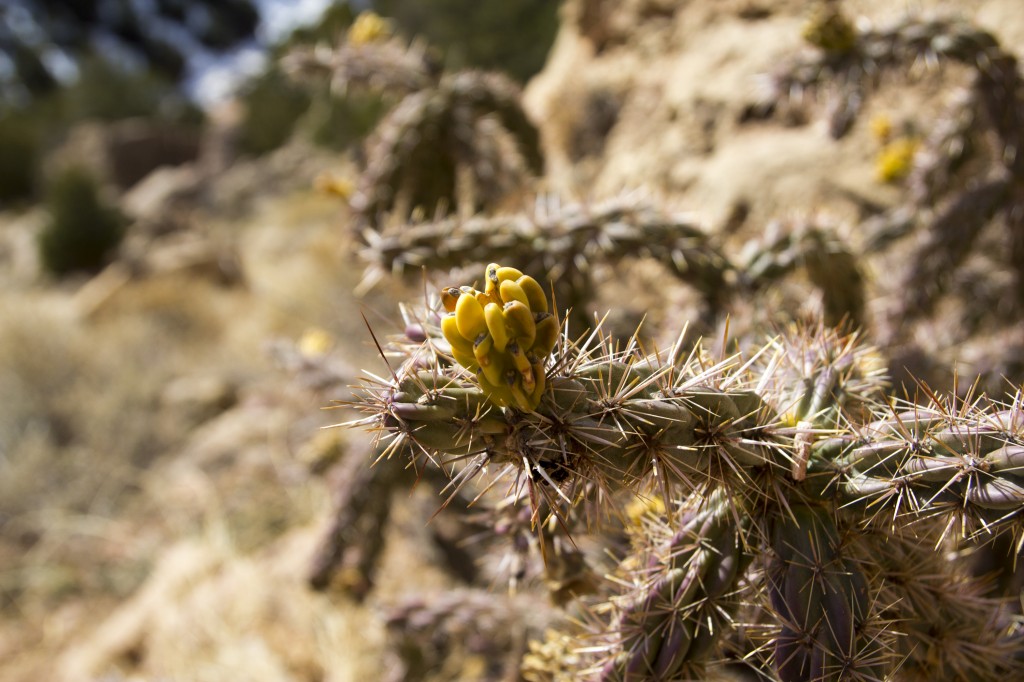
{"type": "Point", "coordinates": [942, 627]}
{"type": "Point", "coordinates": [503, 334]}
{"type": "Point", "coordinates": [930, 461]}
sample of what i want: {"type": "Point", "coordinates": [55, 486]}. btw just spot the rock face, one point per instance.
{"type": "Point", "coordinates": [716, 109]}
{"type": "Point", "coordinates": [125, 152]}
{"type": "Point", "coordinates": [650, 93]}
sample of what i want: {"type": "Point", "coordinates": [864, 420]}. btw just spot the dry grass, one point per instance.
{"type": "Point", "coordinates": [100, 470]}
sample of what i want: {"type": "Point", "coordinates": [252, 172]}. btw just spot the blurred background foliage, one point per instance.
{"type": "Point", "coordinates": [83, 229]}
{"type": "Point", "coordinates": [65, 63]}
{"type": "Point", "coordinates": [510, 36]}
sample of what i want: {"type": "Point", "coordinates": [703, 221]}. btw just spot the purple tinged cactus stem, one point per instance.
{"type": "Point", "coordinates": [668, 622]}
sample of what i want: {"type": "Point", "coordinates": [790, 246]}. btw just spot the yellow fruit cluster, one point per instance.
{"type": "Point", "coordinates": [503, 334]}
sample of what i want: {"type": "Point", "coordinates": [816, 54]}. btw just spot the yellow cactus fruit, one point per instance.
{"type": "Point", "coordinates": [535, 297]}
{"type": "Point", "coordinates": [495, 369]}
{"type": "Point", "coordinates": [482, 347]}
{"type": "Point", "coordinates": [469, 316]}
{"type": "Point", "coordinates": [449, 297]}
{"type": "Point", "coordinates": [540, 382]}
{"type": "Point", "coordinates": [499, 393]}
{"type": "Point", "coordinates": [496, 325]}
{"type": "Point", "coordinates": [511, 291]}
{"type": "Point", "coordinates": [491, 279]}
{"type": "Point", "coordinates": [503, 334]}
{"type": "Point", "coordinates": [519, 320]}
{"type": "Point", "coordinates": [546, 335]}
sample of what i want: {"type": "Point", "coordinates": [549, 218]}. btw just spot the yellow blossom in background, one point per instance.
{"type": "Point", "coordinates": [896, 159]}
{"type": "Point", "coordinates": [642, 507]}
{"type": "Point", "coordinates": [881, 127]}
{"type": "Point", "coordinates": [336, 185]}
{"type": "Point", "coordinates": [369, 27]}
{"type": "Point", "coordinates": [315, 341]}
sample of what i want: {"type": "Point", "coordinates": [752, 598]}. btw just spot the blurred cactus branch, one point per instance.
{"type": "Point", "coordinates": [568, 240]}
{"type": "Point", "coordinates": [952, 631]}
{"type": "Point", "coordinates": [454, 140]}
{"type": "Point", "coordinates": [947, 242]}
{"type": "Point", "coordinates": [983, 129]}
{"type": "Point", "coordinates": [854, 66]}
{"type": "Point", "coordinates": [390, 67]}
{"type": "Point", "coordinates": [463, 144]}
{"type": "Point", "coordinates": [829, 264]}
{"type": "Point", "coordinates": [949, 204]}
{"type": "Point", "coordinates": [565, 241]}
{"type": "Point", "coordinates": [351, 548]}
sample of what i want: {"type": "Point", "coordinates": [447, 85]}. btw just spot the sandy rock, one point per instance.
{"type": "Point", "coordinates": [199, 397]}
{"type": "Point", "coordinates": [125, 152]}
{"type": "Point", "coordinates": [677, 131]}
{"type": "Point", "coordinates": [163, 201]}
{"type": "Point", "coordinates": [206, 614]}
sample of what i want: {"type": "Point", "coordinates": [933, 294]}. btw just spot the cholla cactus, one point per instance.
{"type": "Point", "coordinates": [458, 140]}
{"type": "Point", "coordinates": [803, 509]}
{"type": "Point", "coordinates": [850, 61]}
{"type": "Point", "coordinates": [369, 58]}
{"type": "Point", "coordinates": [465, 141]}
{"type": "Point", "coordinates": [964, 176]}
{"type": "Point", "coordinates": [461, 634]}
{"type": "Point", "coordinates": [966, 179]}
{"type": "Point", "coordinates": [829, 263]}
